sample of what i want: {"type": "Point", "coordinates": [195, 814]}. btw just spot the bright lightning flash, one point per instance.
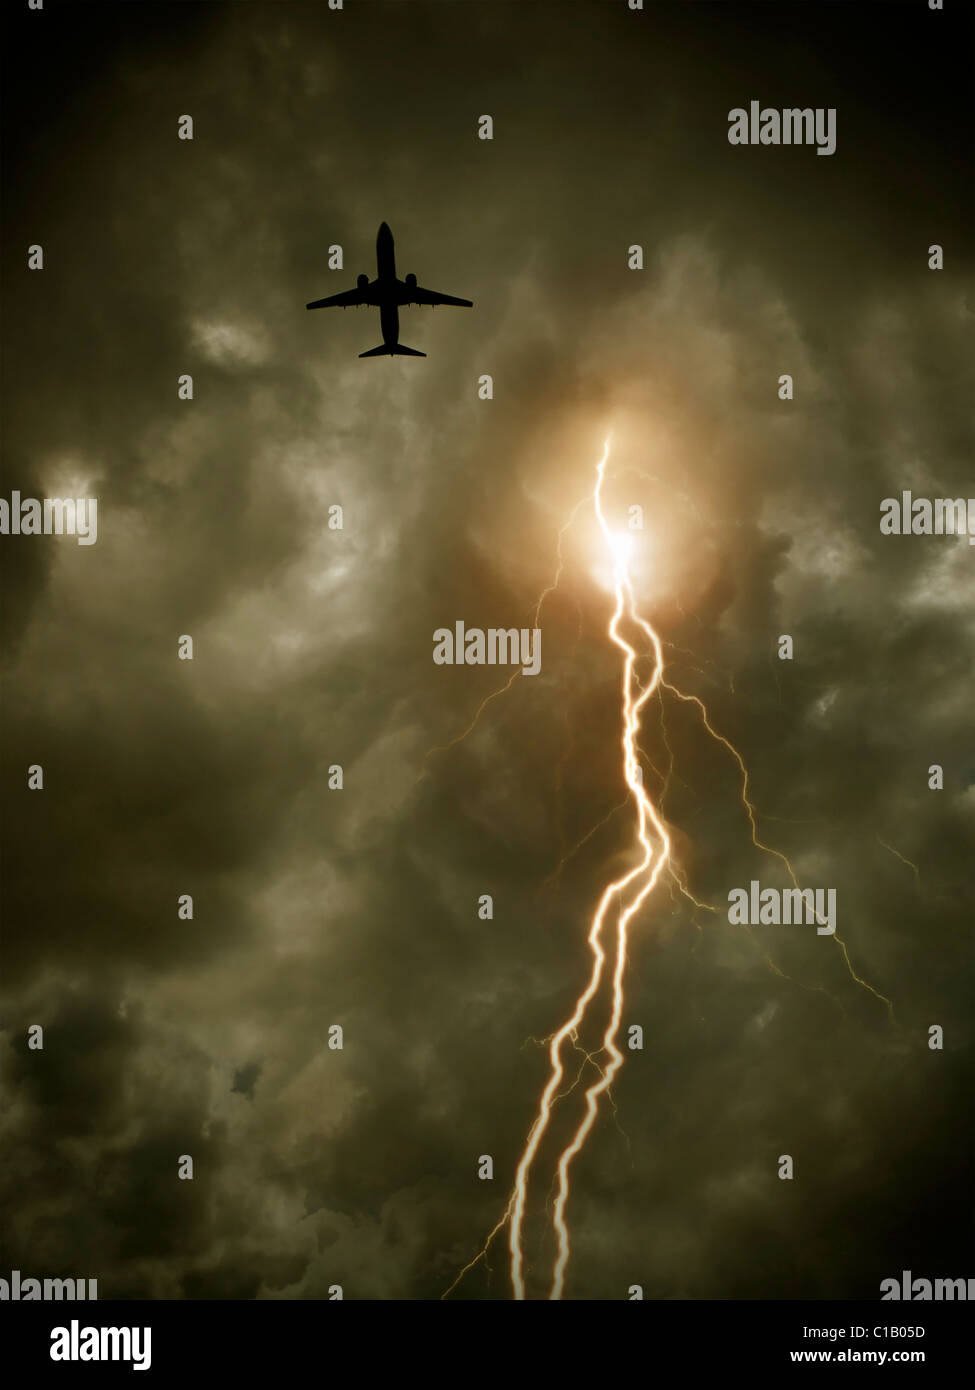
{"type": "Point", "coordinates": [625, 896]}
{"type": "Point", "coordinates": [620, 544]}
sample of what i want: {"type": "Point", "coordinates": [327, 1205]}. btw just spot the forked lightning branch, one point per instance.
{"type": "Point", "coordinates": [613, 918]}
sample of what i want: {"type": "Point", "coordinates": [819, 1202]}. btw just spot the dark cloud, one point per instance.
{"type": "Point", "coordinates": [316, 907]}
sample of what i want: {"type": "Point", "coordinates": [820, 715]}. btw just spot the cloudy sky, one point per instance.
{"type": "Point", "coordinates": [358, 907]}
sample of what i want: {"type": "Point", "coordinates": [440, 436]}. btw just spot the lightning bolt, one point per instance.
{"type": "Point", "coordinates": [768, 849]}
{"type": "Point", "coordinates": [626, 894]}
{"type": "Point", "coordinates": [503, 689]}
{"type": "Point", "coordinates": [640, 881]}
{"type": "Point", "coordinates": [897, 855]}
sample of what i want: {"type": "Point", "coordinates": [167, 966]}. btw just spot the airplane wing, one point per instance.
{"type": "Point", "coordinates": [346, 300]}
{"type": "Point", "coordinates": [418, 295]}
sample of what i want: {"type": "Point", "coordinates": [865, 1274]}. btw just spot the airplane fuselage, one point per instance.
{"type": "Point", "coordinates": [385, 259]}
{"type": "Point", "coordinates": [387, 286]}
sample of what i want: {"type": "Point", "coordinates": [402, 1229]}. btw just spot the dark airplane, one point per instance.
{"type": "Point", "coordinates": [387, 294]}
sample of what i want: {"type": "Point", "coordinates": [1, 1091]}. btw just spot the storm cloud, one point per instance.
{"type": "Point", "coordinates": [358, 907]}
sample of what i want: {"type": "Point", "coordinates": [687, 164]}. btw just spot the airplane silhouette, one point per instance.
{"type": "Point", "coordinates": [387, 294]}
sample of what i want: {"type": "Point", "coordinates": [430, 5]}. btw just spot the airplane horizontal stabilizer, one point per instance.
{"type": "Point", "coordinates": [398, 350]}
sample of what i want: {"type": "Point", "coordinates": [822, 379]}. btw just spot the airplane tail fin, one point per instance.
{"type": "Point", "coordinates": [397, 350]}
